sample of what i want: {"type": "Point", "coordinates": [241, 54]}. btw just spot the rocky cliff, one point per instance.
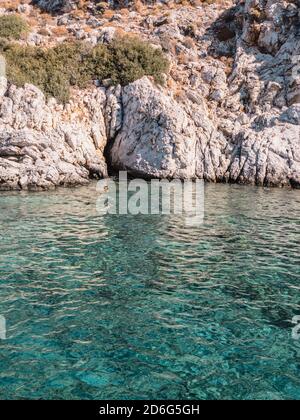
{"type": "Point", "coordinates": [229, 112]}
{"type": "Point", "coordinates": [43, 145]}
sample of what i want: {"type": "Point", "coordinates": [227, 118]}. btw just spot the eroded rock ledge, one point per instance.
{"type": "Point", "coordinates": [238, 126]}
{"type": "Point", "coordinates": [43, 145]}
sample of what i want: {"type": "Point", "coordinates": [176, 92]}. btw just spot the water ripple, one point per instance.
{"type": "Point", "coordinates": [146, 307]}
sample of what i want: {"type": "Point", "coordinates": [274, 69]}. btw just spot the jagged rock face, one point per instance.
{"type": "Point", "coordinates": [241, 125]}
{"type": "Point", "coordinates": [157, 138]}
{"type": "Point", "coordinates": [268, 23]}
{"type": "Point", "coordinates": [43, 145]}
{"type": "Point", "coordinates": [246, 127]}
{"type": "Point", "coordinates": [160, 138]}
{"type": "Point", "coordinates": [268, 54]}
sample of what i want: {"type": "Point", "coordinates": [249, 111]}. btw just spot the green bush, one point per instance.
{"type": "Point", "coordinates": [133, 59]}
{"type": "Point", "coordinates": [55, 69]}
{"type": "Point", "coordinates": [12, 27]}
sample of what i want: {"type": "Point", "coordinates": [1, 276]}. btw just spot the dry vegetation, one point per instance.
{"type": "Point", "coordinates": [54, 70]}
{"type": "Point", "coordinates": [13, 27]}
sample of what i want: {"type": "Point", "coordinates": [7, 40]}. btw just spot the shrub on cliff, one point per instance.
{"type": "Point", "coordinates": [55, 69]}
{"type": "Point", "coordinates": [12, 27]}
{"type": "Point", "coordinates": [24, 64]}
{"type": "Point", "coordinates": [127, 59]}
{"type": "Point", "coordinates": [133, 59]}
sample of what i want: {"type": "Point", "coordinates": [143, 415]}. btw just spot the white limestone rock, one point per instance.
{"type": "Point", "coordinates": [157, 138]}
{"type": "Point", "coordinates": [46, 145]}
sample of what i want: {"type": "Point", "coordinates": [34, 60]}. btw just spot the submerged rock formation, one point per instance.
{"type": "Point", "coordinates": [236, 119]}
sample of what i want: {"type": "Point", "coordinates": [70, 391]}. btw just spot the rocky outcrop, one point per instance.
{"type": "Point", "coordinates": [157, 138]}
{"type": "Point", "coordinates": [236, 117]}
{"type": "Point", "coordinates": [54, 6]}
{"type": "Point", "coordinates": [243, 127]}
{"type": "Point", "coordinates": [266, 83]}
{"type": "Point", "coordinates": [43, 144]}
{"type": "Point", "coordinates": [161, 138]}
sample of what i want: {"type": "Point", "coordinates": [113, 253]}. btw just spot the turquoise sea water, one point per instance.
{"type": "Point", "coordinates": [106, 307]}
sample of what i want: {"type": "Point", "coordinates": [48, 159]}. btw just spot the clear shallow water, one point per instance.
{"type": "Point", "coordinates": [144, 307]}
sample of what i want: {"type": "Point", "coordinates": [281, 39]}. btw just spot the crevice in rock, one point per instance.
{"type": "Point", "coordinates": [111, 171]}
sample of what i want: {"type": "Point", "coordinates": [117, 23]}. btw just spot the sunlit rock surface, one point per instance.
{"type": "Point", "coordinates": [229, 111]}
